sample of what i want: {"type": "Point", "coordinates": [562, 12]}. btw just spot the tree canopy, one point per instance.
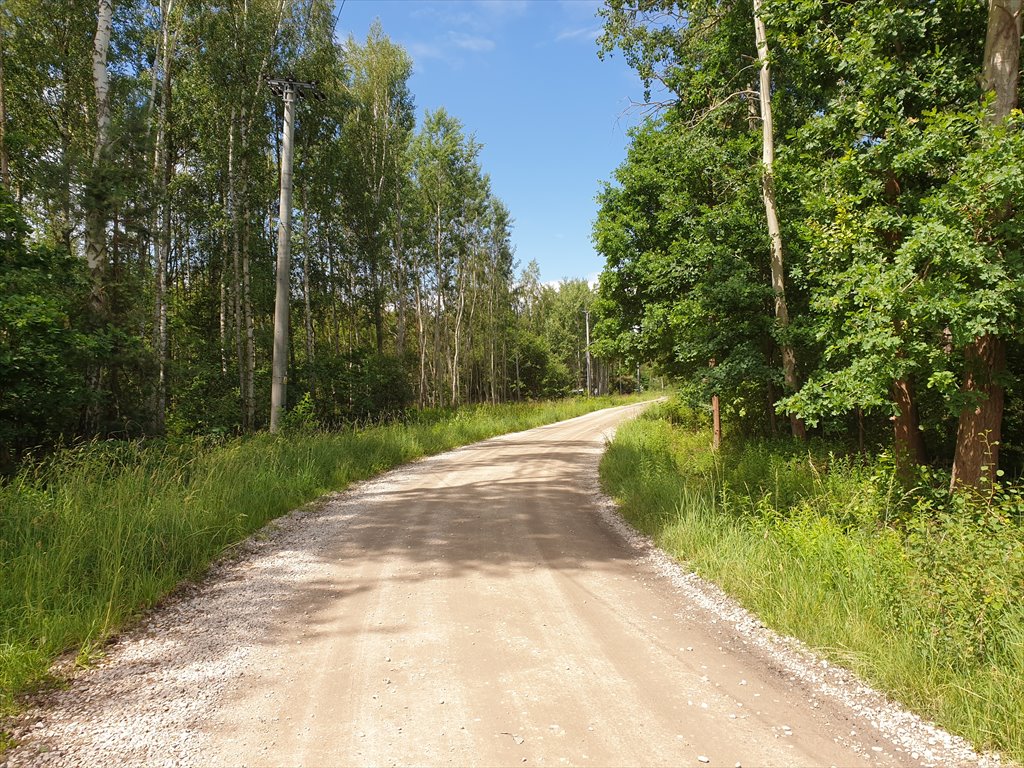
{"type": "Point", "coordinates": [896, 180]}
{"type": "Point", "coordinates": [140, 157]}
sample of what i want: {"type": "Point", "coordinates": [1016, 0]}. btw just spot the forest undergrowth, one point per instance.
{"type": "Point", "coordinates": [917, 591]}
{"type": "Point", "coordinates": [93, 536]}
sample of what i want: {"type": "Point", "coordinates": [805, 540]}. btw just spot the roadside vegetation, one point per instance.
{"type": "Point", "coordinates": [92, 536]}
{"type": "Point", "coordinates": [916, 590]}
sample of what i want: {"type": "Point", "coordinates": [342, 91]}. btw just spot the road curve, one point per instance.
{"type": "Point", "coordinates": [473, 608]}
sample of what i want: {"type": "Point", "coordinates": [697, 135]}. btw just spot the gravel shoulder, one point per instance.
{"type": "Point", "coordinates": [485, 606]}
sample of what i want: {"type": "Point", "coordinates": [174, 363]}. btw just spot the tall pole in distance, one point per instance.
{"type": "Point", "coordinates": [290, 91]}
{"type": "Point", "coordinates": [279, 376]}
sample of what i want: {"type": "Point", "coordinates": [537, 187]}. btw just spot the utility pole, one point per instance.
{"type": "Point", "coordinates": [290, 91]}
{"type": "Point", "coordinates": [586, 315]}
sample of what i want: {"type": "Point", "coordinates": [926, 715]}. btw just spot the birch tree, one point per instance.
{"type": "Point", "coordinates": [771, 208]}
{"type": "Point", "coordinates": [96, 207]}
{"type": "Point", "coordinates": [374, 145]}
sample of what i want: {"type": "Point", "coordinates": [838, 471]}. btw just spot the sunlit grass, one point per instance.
{"type": "Point", "coordinates": [93, 536]}
{"type": "Point", "coordinates": [916, 599]}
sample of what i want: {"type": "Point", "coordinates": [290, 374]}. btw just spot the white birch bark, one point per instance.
{"type": "Point", "coordinates": [96, 214]}
{"type": "Point", "coordinates": [164, 169]}
{"type": "Point", "coordinates": [771, 209]}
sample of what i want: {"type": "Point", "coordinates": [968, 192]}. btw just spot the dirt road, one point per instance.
{"type": "Point", "coordinates": [475, 608]}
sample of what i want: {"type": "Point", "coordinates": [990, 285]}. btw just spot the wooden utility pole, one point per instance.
{"type": "Point", "coordinates": [290, 91]}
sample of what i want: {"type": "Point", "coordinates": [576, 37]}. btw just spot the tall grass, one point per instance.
{"type": "Point", "coordinates": [92, 536]}
{"type": "Point", "coordinates": [921, 594]}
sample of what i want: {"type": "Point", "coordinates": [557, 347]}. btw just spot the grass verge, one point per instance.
{"type": "Point", "coordinates": [93, 536]}
{"type": "Point", "coordinates": [917, 592]}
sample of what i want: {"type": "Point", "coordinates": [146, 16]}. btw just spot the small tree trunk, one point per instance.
{"type": "Point", "coordinates": [250, 327]}
{"type": "Point", "coordinates": [458, 333]}
{"type": "Point", "coordinates": [222, 317]}
{"type": "Point", "coordinates": [376, 282]}
{"type": "Point", "coordinates": [5, 174]}
{"type": "Point", "coordinates": [716, 421]}
{"type": "Point", "coordinates": [771, 209]}
{"type": "Point", "coordinates": [333, 282]}
{"type": "Point", "coordinates": [909, 445]}
{"type": "Point", "coordinates": [437, 384]}
{"type": "Point", "coordinates": [421, 334]}
{"type": "Point", "coordinates": [400, 299]}
{"type": "Point", "coordinates": [308, 307]}
{"type": "Point", "coordinates": [519, 381]}
{"type": "Point", "coordinates": [244, 231]}
{"type": "Point", "coordinates": [980, 428]}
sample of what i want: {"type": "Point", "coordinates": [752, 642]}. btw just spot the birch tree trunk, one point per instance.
{"type": "Point", "coordinates": [236, 255]}
{"type": "Point", "coordinates": [789, 374]}
{"type": "Point", "coordinates": [421, 333]}
{"type": "Point", "coordinates": [5, 174]}
{"type": "Point", "coordinates": [250, 330]}
{"type": "Point", "coordinates": [401, 301]}
{"type": "Point", "coordinates": [980, 428]}
{"type": "Point", "coordinates": [458, 333]}
{"type": "Point", "coordinates": [165, 167]}
{"type": "Point", "coordinates": [437, 386]}
{"type": "Point", "coordinates": [308, 307]}
{"type": "Point", "coordinates": [96, 212]}
{"type": "Point", "coordinates": [222, 320]}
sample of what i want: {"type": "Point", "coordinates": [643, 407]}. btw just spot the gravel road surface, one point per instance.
{"type": "Point", "coordinates": [482, 607]}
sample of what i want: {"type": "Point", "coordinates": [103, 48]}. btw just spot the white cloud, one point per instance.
{"type": "Point", "coordinates": [580, 33]}
{"type": "Point", "coordinates": [471, 42]}
{"type": "Point", "coordinates": [504, 7]}
{"type": "Point", "coordinates": [422, 51]}
{"type": "Point", "coordinates": [478, 16]}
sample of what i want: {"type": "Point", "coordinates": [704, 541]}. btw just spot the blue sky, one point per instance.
{"type": "Point", "coordinates": [524, 77]}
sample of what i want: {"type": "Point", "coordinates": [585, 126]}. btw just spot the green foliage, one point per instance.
{"type": "Point", "coordinates": [360, 386]}
{"type": "Point", "coordinates": [917, 592]}
{"type": "Point", "coordinates": [903, 286]}
{"type": "Point", "coordinates": [44, 345]}
{"type": "Point", "coordinates": [900, 225]}
{"type": "Point", "coordinates": [537, 373]}
{"type": "Point", "coordinates": [399, 245]}
{"type": "Point", "coordinates": [686, 277]}
{"type": "Point", "coordinates": [372, 157]}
